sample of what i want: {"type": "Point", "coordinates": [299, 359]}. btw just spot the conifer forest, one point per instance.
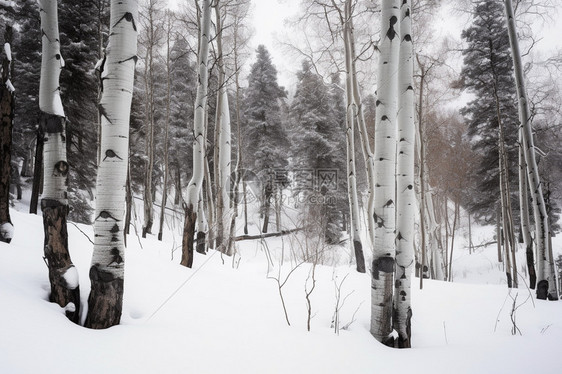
{"type": "Point", "coordinates": [280, 186]}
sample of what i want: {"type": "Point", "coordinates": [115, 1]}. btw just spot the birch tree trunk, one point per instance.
{"type": "Point", "coordinates": [525, 220]}
{"type": "Point", "coordinates": [505, 198]}
{"type": "Point", "coordinates": [360, 120]}
{"type": "Point", "coordinates": [54, 203]}
{"type": "Point", "coordinates": [405, 196]}
{"type": "Point", "coordinates": [106, 272]}
{"type": "Point", "coordinates": [384, 249]}
{"type": "Point", "coordinates": [223, 145]}
{"type": "Point", "coordinates": [7, 106]}
{"type": "Point", "coordinates": [223, 188]}
{"type": "Point", "coordinates": [238, 167]}
{"type": "Point", "coordinates": [194, 186]}
{"type": "Point", "coordinates": [546, 286]}
{"type": "Point", "coordinates": [355, 218]}
{"type": "Point", "coordinates": [424, 239]}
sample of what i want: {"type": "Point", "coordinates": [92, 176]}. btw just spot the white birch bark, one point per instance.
{"type": "Point", "coordinates": [546, 278]}
{"type": "Point", "coordinates": [224, 168]}
{"type": "Point", "coordinates": [384, 249]}
{"type": "Point", "coordinates": [107, 269]}
{"type": "Point", "coordinates": [194, 186]}
{"type": "Point", "coordinates": [405, 196]}
{"type": "Point", "coordinates": [222, 141]}
{"type": "Point", "coordinates": [54, 149]}
{"type": "Point", "coordinates": [355, 218]}
{"type": "Point", "coordinates": [525, 219]}
{"type": "Point", "coordinates": [360, 120]}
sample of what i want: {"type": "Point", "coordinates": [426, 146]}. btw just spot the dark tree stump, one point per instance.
{"type": "Point", "coordinates": [58, 258]}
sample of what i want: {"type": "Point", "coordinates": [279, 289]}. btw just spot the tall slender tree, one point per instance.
{"type": "Point", "coordinates": [194, 187]}
{"type": "Point", "coordinates": [54, 203]}
{"type": "Point", "coordinates": [222, 138]}
{"type": "Point", "coordinates": [405, 196]}
{"type": "Point", "coordinates": [546, 286]}
{"type": "Point", "coordinates": [107, 270]}
{"type": "Point", "coordinates": [384, 249]}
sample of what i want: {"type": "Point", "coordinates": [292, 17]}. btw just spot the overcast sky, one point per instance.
{"type": "Point", "coordinates": [268, 19]}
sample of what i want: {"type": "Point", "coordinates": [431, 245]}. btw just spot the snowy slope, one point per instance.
{"type": "Point", "coordinates": [219, 319]}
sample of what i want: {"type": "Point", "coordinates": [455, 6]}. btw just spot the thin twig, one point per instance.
{"type": "Point", "coordinates": [83, 233]}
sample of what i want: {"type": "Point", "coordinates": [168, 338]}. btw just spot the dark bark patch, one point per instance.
{"type": "Point", "coordinates": [359, 257]}
{"type": "Point", "coordinates": [105, 303]}
{"type": "Point", "coordinates": [104, 214]}
{"type": "Point", "coordinates": [110, 153]}
{"type": "Point", "coordinates": [52, 124]}
{"type": "Point", "coordinates": [200, 248]}
{"type": "Point", "coordinates": [391, 33]}
{"type": "Point", "coordinates": [542, 290]}
{"type": "Point", "coordinates": [60, 169]}
{"type": "Point", "coordinates": [188, 235]}
{"type": "Point", "coordinates": [383, 264]}
{"type": "Point", "coordinates": [57, 257]}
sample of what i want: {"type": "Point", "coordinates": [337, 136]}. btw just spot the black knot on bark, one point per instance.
{"type": "Point", "coordinates": [111, 154]}
{"type": "Point", "coordinates": [391, 33]}
{"type": "Point", "coordinates": [99, 275]}
{"type": "Point", "coordinates": [60, 169]}
{"type": "Point", "coordinates": [104, 214]}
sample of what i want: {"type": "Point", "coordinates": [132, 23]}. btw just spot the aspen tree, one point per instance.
{"type": "Point", "coordinates": [54, 202]}
{"type": "Point", "coordinates": [384, 248]}
{"type": "Point", "coordinates": [546, 286]}
{"type": "Point", "coordinates": [350, 149]}
{"type": "Point", "coordinates": [194, 186]}
{"type": "Point", "coordinates": [405, 196]}
{"type": "Point", "coordinates": [222, 141]}
{"type": "Point", "coordinates": [105, 302]}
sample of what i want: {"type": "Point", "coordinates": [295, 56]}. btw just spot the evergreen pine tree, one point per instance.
{"type": "Point", "coordinates": [27, 65]}
{"type": "Point", "coordinates": [488, 67]}
{"type": "Point", "coordinates": [79, 46]}
{"type": "Point", "coordinates": [181, 110]}
{"type": "Point", "coordinates": [264, 133]}
{"type": "Point", "coordinates": [316, 147]}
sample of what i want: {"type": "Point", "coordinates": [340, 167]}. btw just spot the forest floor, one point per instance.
{"type": "Point", "coordinates": [226, 316]}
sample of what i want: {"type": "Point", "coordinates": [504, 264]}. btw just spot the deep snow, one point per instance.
{"type": "Point", "coordinates": [220, 318]}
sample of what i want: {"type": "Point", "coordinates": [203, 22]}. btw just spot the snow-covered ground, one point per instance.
{"type": "Point", "coordinates": [221, 317]}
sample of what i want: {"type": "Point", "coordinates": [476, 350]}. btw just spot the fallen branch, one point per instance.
{"type": "Point", "coordinates": [268, 235]}
{"type": "Point", "coordinates": [484, 244]}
